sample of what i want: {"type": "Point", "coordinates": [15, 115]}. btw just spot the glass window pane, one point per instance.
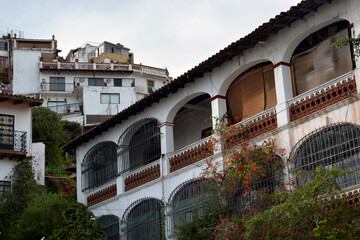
{"type": "Point", "coordinates": [105, 98]}
{"type": "Point", "coordinates": [114, 99]}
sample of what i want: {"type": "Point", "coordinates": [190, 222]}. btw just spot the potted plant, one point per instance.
{"type": "Point", "coordinates": [59, 60]}
{"type": "Point", "coordinates": [128, 60]}
{"type": "Point", "coordinates": [81, 107]}
{"type": "Point", "coordinates": [105, 84]}
{"type": "Point", "coordinates": [68, 109]}
{"type": "Point", "coordinates": [133, 84]}
{"type": "Point", "coordinates": [41, 59]}
{"type": "Point", "coordinates": [77, 84]}
{"type": "Point", "coordinates": [92, 60]}
{"type": "Point", "coordinates": [76, 60]}
{"type": "Point", "coordinates": [111, 61]}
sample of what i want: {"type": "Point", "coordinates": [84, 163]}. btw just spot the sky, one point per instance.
{"type": "Point", "coordinates": [176, 34]}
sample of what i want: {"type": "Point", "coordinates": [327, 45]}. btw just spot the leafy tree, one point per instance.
{"type": "Point", "coordinates": [71, 130]}
{"type": "Point", "coordinates": [46, 125]}
{"type": "Point", "coordinates": [287, 211]}
{"type": "Point", "coordinates": [29, 212]}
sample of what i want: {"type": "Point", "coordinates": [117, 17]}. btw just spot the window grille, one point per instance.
{"type": "Point", "coordinates": [4, 187]}
{"type": "Point", "coordinates": [99, 166]}
{"type": "Point", "coordinates": [187, 202]}
{"type": "Point", "coordinates": [110, 225]}
{"type": "Point", "coordinates": [6, 132]}
{"type": "Point", "coordinates": [143, 220]}
{"type": "Point", "coordinates": [139, 145]}
{"type": "Point", "coordinates": [336, 145]}
{"type": "Point", "coordinates": [95, 81]}
{"type": "Point", "coordinates": [246, 200]}
{"type": "Point", "coordinates": [57, 84]}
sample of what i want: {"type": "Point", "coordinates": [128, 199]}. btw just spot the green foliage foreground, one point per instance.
{"type": "Point", "coordinates": [29, 212]}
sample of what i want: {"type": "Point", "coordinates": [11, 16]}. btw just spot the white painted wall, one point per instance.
{"type": "Point", "coordinates": [6, 167]}
{"type": "Point", "coordinates": [22, 113]}
{"type": "Point", "coordinates": [38, 162]}
{"type": "Point", "coordinates": [26, 71]}
{"type": "Point", "coordinates": [278, 47]}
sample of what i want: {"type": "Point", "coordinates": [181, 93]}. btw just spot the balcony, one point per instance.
{"type": "Point", "coordinates": [322, 96]}
{"type": "Point", "coordinates": [13, 144]}
{"type": "Point", "coordinates": [103, 67]}
{"type": "Point", "coordinates": [190, 154]}
{"type": "Point", "coordinates": [57, 87]}
{"type": "Point", "coordinates": [67, 108]}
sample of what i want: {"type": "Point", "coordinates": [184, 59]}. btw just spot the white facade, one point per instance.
{"type": "Point", "coordinates": [94, 93]}
{"type": "Point", "coordinates": [181, 127]}
{"type": "Point", "coordinates": [16, 138]}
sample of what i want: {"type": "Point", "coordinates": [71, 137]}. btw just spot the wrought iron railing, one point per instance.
{"type": "Point", "coordinates": [20, 141]}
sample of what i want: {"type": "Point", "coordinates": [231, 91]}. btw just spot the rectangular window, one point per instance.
{"type": "Point", "coordinates": [96, 81]}
{"type": "Point", "coordinates": [117, 82]}
{"type": "Point", "coordinates": [57, 106]}
{"type": "Point", "coordinates": [110, 98]}
{"type": "Point", "coordinates": [4, 187]}
{"type": "Point", "coordinates": [3, 45]}
{"type": "Point", "coordinates": [6, 132]}
{"type": "Point", "coordinates": [150, 86]}
{"type": "Point", "coordinates": [57, 84]}
{"type": "Point", "coordinates": [2, 63]}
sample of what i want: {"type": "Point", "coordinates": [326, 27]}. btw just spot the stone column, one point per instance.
{"type": "Point", "coordinates": [284, 92]}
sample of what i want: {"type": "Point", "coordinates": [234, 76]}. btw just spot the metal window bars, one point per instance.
{"type": "Point", "coordinates": [335, 145]}
{"type": "Point", "coordinates": [139, 145]}
{"type": "Point", "coordinates": [143, 220]}
{"type": "Point", "coordinates": [110, 225]}
{"type": "Point", "coordinates": [99, 166]}
{"type": "Point", "coordinates": [186, 203]}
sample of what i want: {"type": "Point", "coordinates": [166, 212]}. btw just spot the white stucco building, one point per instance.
{"type": "Point", "coordinates": [16, 138]}
{"type": "Point", "coordinates": [284, 78]}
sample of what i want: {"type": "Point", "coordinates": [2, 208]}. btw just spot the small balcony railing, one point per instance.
{"type": "Point", "coordinates": [323, 96]}
{"type": "Point", "coordinates": [190, 154]}
{"type": "Point", "coordinates": [15, 140]}
{"type": "Point", "coordinates": [261, 123]}
{"type": "Point", "coordinates": [104, 67]}
{"type": "Point", "coordinates": [57, 87]}
{"type": "Point", "coordinates": [67, 108]}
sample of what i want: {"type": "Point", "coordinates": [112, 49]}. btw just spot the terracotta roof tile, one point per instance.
{"type": "Point", "coordinates": [260, 33]}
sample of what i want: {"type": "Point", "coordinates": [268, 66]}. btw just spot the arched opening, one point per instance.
{"type": "Point", "coordinates": [143, 220]}
{"type": "Point", "coordinates": [315, 61]}
{"type": "Point", "coordinates": [192, 122]}
{"type": "Point", "coordinates": [337, 145]}
{"type": "Point", "coordinates": [99, 166]}
{"type": "Point", "coordinates": [187, 202]}
{"type": "Point", "coordinates": [139, 144]}
{"type": "Point", "coordinates": [251, 92]}
{"type": "Point", "coordinates": [110, 225]}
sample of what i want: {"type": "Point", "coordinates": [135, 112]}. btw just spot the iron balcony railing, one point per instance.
{"type": "Point", "coordinates": [15, 140]}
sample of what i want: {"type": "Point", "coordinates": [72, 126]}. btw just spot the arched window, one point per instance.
{"type": "Point", "coordinates": [139, 144]}
{"type": "Point", "coordinates": [252, 92]}
{"type": "Point", "coordinates": [337, 145]}
{"type": "Point", "coordinates": [99, 166]}
{"type": "Point", "coordinates": [110, 225]}
{"type": "Point", "coordinates": [187, 202]}
{"type": "Point", "coordinates": [143, 220]}
{"type": "Point", "coordinates": [249, 198]}
{"type": "Point", "coordinates": [315, 61]}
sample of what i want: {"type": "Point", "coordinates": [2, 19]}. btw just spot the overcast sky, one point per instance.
{"type": "Point", "coordinates": [177, 34]}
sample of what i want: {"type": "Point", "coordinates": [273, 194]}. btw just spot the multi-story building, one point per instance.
{"type": "Point", "coordinates": [89, 93]}
{"type": "Point", "coordinates": [80, 89]}
{"type": "Point", "coordinates": [285, 79]}
{"type": "Point", "coordinates": [16, 138]}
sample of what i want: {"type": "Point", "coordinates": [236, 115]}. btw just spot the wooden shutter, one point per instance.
{"type": "Point", "coordinates": [269, 86]}
{"type": "Point", "coordinates": [321, 63]}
